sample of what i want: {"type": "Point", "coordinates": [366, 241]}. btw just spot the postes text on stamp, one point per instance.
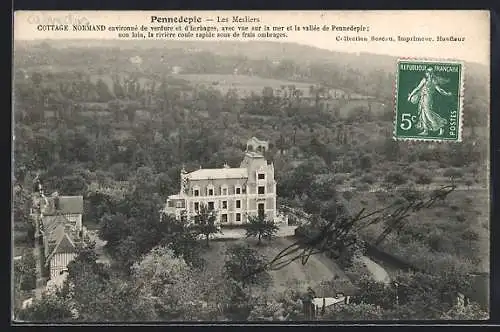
{"type": "Point", "coordinates": [428, 100]}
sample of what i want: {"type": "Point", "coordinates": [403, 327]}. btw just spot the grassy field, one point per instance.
{"type": "Point", "coordinates": [244, 84]}
{"type": "Point", "coordinates": [376, 108]}
{"type": "Point", "coordinates": [318, 268]}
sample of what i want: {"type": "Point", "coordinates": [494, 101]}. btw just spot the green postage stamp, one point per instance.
{"type": "Point", "coordinates": [429, 100]}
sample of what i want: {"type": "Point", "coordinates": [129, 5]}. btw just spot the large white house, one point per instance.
{"type": "Point", "coordinates": [234, 193]}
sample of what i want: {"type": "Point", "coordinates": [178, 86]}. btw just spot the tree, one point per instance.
{"type": "Point", "coordinates": [113, 228]}
{"type": "Point", "coordinates": [470, 312]}
{"type": "Point", "coordinates": [396, 178]}
{"type": "Point", "coordinates": [27, 271]}
{"type": "Point", "coordinates": [49, 308]}
{"type": "Point", "coordinates": [205, 223]}
{"type": "Point", "coordinates": [354, 312]}
{"type": "Point", "coordinates": [100, 295]}
{"type": "Point", "coordinates": [375, 293]}
{"type": "Point", "coordinates": [170, 283]}
{"type": "Point", "coordinates": [423, 178]}
{"type": "Point", "coordinates": [242, 265]}
{"type": "Point", "coordinates": [365, 162]}
{"type": "Point", "coordinates": [261, 227]}
{"type": "Point", "coordinates": [180, 237]}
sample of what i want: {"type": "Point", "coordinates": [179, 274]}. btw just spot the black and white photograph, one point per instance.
{"type": "Point", "coordinates": [250, 167]}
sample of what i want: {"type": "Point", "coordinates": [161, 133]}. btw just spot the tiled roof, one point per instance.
{"type": "Point", "coordinates": [218, 173]}
{"type": "Point", "coordinates": [50, 222]}
{"type": "Point", "coordinates": [67, 205]}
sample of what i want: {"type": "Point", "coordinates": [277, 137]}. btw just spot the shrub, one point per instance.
{"type": "Point", "coordinates": [423, 178]}
{"type": "Point", "coordinates": [396, 178]}
{"type": "Point", "coordinates": [347, 195]}
{"type": "Point", "coordinates": [453, 173]}
{"type": "Point", "coordinates": [368, 178]}
{"type": "Point", "coordinates": [363, 187]}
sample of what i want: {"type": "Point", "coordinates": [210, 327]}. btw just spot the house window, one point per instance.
{"type": "Point", "coordinates": [224, 191]}
{"type": "Point", "coordinates": [238, 216]}
{"type": "Point", "coordinates": [196, 206]}
{"type": "Point", "coordinates": [196, 192]}
{"type": "Point", "coordinates": [224, 204]}
{"type": "Point", "coordinates": [210, 205]}
{"type": "Point", "coordinates": [262, 176]}
{"type": "Point", "coordinates": [224, 217]}
{"type": "Point", "coordinates": [179, 204]}
{"type": "Point", "coordinates": [238, 204]}
{"type": "Point", "coordinates": [238, 190]}
{"type": "Point", "coordinates": [210, 192]}
{"type": "Point", "coordinates": [261, 190]}
{"type": "Point", "coordinates": [170, 204]}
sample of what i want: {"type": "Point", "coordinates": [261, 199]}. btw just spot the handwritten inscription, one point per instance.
{"type": "Point", "coordinates": [336, 235]}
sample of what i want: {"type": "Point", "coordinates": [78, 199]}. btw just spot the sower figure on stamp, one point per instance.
{"type": "Point", "coordinates": [423, 94]}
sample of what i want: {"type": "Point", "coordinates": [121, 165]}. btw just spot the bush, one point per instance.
{"type": "Point", "coordinates": [396, 178]}
{"type": "Point", "coordinates": [364, 187]}
{"type": "Point", "coordinates": [368, 178]}
{"type": "Point", "coordinates": [423, 178]}
{"type": "Point", "coordinates": [453, 173]}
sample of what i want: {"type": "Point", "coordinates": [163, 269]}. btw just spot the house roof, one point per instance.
{"type": "Point", "coordinates": [218, 173]}
{"type": "Point", "coordinates": [63, 244]}
{"type": "Point", "coordinates": [256, 140]}
{"type": "Point", "coordinates": [67, 205]}
{"type": "Point", "coordinates": [51, 222]}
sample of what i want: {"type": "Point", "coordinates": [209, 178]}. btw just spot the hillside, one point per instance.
{"type": "Point", "coordinates": [252, 49]}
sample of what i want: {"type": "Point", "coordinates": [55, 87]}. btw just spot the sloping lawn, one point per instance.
{"type": "Point", "coordinates": [318, 267]}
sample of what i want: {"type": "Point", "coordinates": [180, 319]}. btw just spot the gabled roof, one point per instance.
{"type": "Point", "coordinates": [64, 245]}
{"type": "Point", "coordinates": [218, 173]}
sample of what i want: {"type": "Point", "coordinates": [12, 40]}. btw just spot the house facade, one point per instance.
{"type": "Point", "coordinates": [62, 231]}
{"type": "Point", "coordinates": [233, 193]}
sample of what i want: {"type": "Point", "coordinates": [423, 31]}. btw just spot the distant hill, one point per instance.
{"type": "Point", "coordinates": [251, 49]}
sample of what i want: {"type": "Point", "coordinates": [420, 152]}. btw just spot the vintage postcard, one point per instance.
{"type": "Point", "coordinates": [224, 166]}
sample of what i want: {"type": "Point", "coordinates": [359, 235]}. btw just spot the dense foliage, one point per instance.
{"type": "Point", "coordinates": [119, 135]}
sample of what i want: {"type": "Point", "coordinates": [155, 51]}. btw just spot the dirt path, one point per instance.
{"type": "Point", "coordinates": [378, 272]}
